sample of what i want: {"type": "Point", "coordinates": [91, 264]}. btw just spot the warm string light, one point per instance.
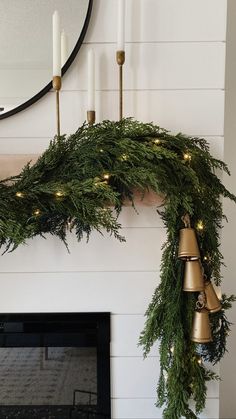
{"type": "Point", "coordinates": [199, 360]}
{"type": "Point", "coordinates": [200, 225]}
{"type": "Point", "coordinates": [101, 182]}
{"type": "Point", "coordinates": [187, 156]}
{"type": "Point", "coordinates": [157, 141]}
{"type": "Point", "coordinates": [59, 194]}
{"type": "Point", "coordinates": [37, 212]}
{"type": "Point", "coordinates": [124, 157]}
{"type": "Point", "coordinates": [20, 194]}
{"type": "Point", "coordinates": [207, 258]}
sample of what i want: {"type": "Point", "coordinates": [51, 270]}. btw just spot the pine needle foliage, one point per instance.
{"type": "Point", "coordinates": [80, 183]}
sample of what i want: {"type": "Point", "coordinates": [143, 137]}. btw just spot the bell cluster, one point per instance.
{"type": "Point", "coordinates": [196, 281]}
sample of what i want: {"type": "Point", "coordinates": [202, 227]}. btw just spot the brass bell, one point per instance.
{"type": "Point", "coordinates": [201, 331]}
{"type": "Point", "coordinates": [188, 245]}
{"type": "Point", "coordinates": [212, 302]}
{"type": "Point", "coordinates": [193, 276]}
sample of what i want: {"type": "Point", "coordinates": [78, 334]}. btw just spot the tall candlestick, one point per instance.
{"type": "Point", "coordinates": [121, 26]}
{"type": "Point", "coordinates": [56, 39]}
{"type": "Point", "coordinates": [64, 47]}
{"type": "Point", "coordinates": [91, 80]}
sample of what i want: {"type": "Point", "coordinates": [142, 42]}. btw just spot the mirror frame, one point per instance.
{"type": "Point", "coordinates": [68, 63]}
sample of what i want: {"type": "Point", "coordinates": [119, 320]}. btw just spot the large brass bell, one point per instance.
{"type": "Point", "coordinates": [201, 331]}
{"type": "Point", "coordinates": [188, 246]}
{"type": "Point", "coordinates": [212, 302]}
{"type": "Point", "coordinates": [193, 276]}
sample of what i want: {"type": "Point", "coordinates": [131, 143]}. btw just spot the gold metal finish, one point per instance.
{"type": "Point", "coordinates": [56, 83]}
{"type": "Point", "coordinates": [188, 246]}
{"type": "Point", "coordinates": [193, 276]}
{"type": "Point", "coordinates": [201, 331]}
{"type": "Point", "coordinates": [120, 59]}
{"type": "Point", "coordinates": [91, 117]}
{"type": "Point", "coordinates": [212, 302]}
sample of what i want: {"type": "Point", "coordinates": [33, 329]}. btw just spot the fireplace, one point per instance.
{"type": "Point", "coordinates": [55, 366]}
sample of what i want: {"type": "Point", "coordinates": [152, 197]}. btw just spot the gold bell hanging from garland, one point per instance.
{"type": "Point", "coordinates": [188, 246]}
{"type": "Point", "coordinates": [212, 301]}
{"type": "Point", "coordinates": [193, 276]}
{"type": "Point", "coordinates": [201, 330]}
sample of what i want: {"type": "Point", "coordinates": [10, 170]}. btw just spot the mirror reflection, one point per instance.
{"type": "Point", "coordinates": [26, 45]}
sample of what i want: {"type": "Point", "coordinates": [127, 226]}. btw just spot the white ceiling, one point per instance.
{"type": "Point", "coordinates": [26, 30]}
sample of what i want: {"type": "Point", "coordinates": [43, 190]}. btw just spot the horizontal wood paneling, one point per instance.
{"type": "Point", "coordinates": [180, 110]}
{"type": "Point", "coordinates": [36, 145]}
{"type": "Point", "coordinates": [125, 332]}
{"type": "Point", "coordinates": [170, 66]}
{"type": "Point", "coordinates": [137, 378]}
{"type": "Point", "coordinates": [160, 20]}
{"type": "Point", "coordinates": [116, 292]}
{"type": "Point", "coordinates": [146, 409]}
{"type": "Point", "coordinates": [140, 252]}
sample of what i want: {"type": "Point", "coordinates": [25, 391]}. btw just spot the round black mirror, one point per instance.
{"type": "Point", "coordinates": [26, 47]}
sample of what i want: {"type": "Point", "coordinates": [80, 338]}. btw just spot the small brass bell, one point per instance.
{"type": "Point", "coordinates": [188, 246]}
{"type": "Point", "coordinates": [193, 276]}
{"type": "Point", "coordinates": [212, 302]}
{"type": "Point", "coordinates": [201, 331]}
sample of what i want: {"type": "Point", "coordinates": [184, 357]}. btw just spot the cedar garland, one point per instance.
{"type": "Point", "coordinates": [74, 185]}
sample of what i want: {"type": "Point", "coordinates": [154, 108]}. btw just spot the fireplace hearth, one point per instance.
{"type": "Point", "coordinates": [55, 366]}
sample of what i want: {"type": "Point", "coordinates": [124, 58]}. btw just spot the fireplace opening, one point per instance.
{"type": "Point", "coordinates": [55, 366]}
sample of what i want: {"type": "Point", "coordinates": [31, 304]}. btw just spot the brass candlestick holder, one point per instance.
{"type": "Point", "coordinates": [120, 59]}
{"type": "Point", "coordinates": [56, 84]}
{"type": "Point", "coordinates": [91, 117]}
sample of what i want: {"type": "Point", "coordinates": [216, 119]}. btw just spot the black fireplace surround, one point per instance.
{"type": "Point", "coordinates": [63, 358]}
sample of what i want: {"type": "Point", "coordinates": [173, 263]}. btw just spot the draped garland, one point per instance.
{"type": "Point", "coordinates": [80, 183]}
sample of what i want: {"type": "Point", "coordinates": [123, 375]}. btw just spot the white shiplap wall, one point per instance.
{"type": "Point", "coordinates": [174, 76]}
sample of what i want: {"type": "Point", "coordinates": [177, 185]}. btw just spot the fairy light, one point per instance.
{"type": "Point", "coordinates": [156, 141]}
{"type": "Point", "coordinates": [101, 150]}
{"type": "Point", "coordinates": [37, 212]}
{"type": "Point", "coordinates": [187, 156]}
{"type": "Point", "coordinates": [106, 176]}
{"type": "Point", "coordinates": [19, 194]}
{"type": "Point", "coordinates": [199, 361]}
{"type": "Point", "coordinates": [124, 157]}
{"type": "Point", "coordinates": [59, 194]}
{"type": "Point", "coordinates": [200, 225]}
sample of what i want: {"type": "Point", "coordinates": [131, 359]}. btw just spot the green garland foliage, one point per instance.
{"type": "Point", "coordinates": [76, 182]}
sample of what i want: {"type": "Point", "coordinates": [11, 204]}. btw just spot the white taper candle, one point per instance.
{"type": "Point", "coordinates": [64, 47]}
{"type": "Point", "coordinates": [121, 26]}
{"type": "Point", "coordinates": [91, 80]}
{"type": "Point", "coordinates": [56, 41]}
